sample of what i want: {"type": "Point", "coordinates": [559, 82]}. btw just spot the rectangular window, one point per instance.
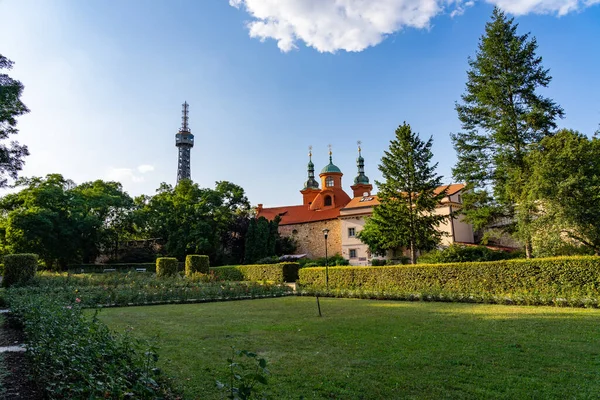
{"type": "Point", "coordinates": [352, 253]}
{"type": "Point", "coordinates": [351, 232]}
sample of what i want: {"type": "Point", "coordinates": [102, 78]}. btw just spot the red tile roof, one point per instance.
{"type": "Point", "coordinates": [370, 201]}
{"type": "Point", "coordinates": [298, 214]}
{"type": "Point", "coordinates": [302, 214]}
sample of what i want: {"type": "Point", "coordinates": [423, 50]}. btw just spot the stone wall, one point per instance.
{"type": "Point", "coordinates": [310, 239]}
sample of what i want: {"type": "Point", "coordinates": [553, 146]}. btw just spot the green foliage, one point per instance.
{"type": "Point", "coordinates": [72, 356]}
{"type": "Point", "coordinates": [65, 223]}
{"type": "Point", "coordinates": [564, 184]}
{"type": "Point", "coordinates": [243, 377]}
{"type": "Point", "coordinates": [381, 262]}
{"type": "Point", "coordinates": [118, 289]}
{"type": "Point", "coordinates": [166, 266]}
{"type": "Point", "coordinates": [125, 267]}
{"type": "Point", "coordinates": [268, 260]}
{"type": "Point", "coordinates": [261, 239]}
{"type": "Point", "coordinates": [194, 220]}
{"type": "Point", "coordinates": [457, 253]}
{"type": "Point", "coordinates": [196, 263]}
{"type": "Point", "coordinates": [19, 269]}
{"type": "Point", "coordinates": [501, 116]}
{"type": "Point", "coordinates": [335, 259]}
{"type": "Point", "coordinates": [573, 281]}
{"type": "Point", "coordinates": [282, 272]}
{"type": "Point", "coordinates": [405, 217]}
{"type": "Point", "coordinates": [11, 106]}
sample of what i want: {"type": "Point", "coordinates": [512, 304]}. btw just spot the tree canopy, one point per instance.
{"type": "Point", "coordinates": [565, 187]}
{"type": "Point", "coordinates": [502, 116]}
{"type": "Point", "coordinates": [62, 222]}
{"type": "Point", "coordinates": [405, 217]}
{"type": "Point", "coordinates": [11, 106]}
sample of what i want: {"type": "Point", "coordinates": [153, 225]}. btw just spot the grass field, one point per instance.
{"type": "Point", "coordinates": [363, 349]}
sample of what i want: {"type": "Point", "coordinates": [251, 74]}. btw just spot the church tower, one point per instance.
{"type": "Point", "coordinates": [331, 195]}
{"type": "Point", "coordinates": [361, 182]}
{"type": "Point", "coordinates": [311, 186]}
{"type": "Point", "coordinates": [184, 141]}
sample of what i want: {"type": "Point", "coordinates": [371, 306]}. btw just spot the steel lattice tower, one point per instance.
{"type": "Point", "coordinates": [184, 140]}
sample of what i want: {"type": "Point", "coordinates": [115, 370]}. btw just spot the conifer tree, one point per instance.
{"type": "Point", "coordinates": [501, 116]}
{"type": "Point", "coordinates": [405, 217]}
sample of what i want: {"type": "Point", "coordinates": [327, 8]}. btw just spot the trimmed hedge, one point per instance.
{"type": "Point", "coordinates": [571, 281]}
{"type": "Point", "coordinates": [282, 272]}
{"type": "Point", "coordinates": [166, 266]}
{"type": "Point", "coordinates": [195, 263]}
{"type": "Point", "coordinates": [19, 268]}
{"type": "Point", "coordinates": [121, 267]}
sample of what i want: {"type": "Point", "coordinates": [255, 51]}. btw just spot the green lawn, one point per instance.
{"type": "Point", "coordinates": [364, 349]}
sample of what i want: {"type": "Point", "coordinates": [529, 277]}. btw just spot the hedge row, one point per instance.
{"type": "Point", "coordinates": [564, 281]}
{"type": "Point", "coordinates": [19, 268]}
{"type": "Point", "coordinates": [195, 263]}
{"type": "Point", "coordinates": [282, 272]}
{"type": "Point", "coordinates": [124, 267]}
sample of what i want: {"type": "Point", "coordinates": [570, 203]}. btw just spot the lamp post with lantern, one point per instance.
{"type": "Point", "coordinates": [326, 233]}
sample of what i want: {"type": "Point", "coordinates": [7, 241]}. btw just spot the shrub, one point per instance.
{"type": "Point", "coordinates": [377, 262]}
{"type": "Point", "coordinates": [76, 357]}
{"type": "Point", "coordinates": [195, 263]}
{"type": "Point", "coordinates": [571, 281]}
{"type": "Point", "coordinates": [166, 266]}
{"type": "Point", "coordinates": [458, 253]}
{"type": "Point", "coordinates": [282, 272]}
{"type": "Point", "coordinates": [19, 268]}
{"type": "Point", "coordinates": [268, 260]}
{"type": "Point", "coordinates": [121, 267]}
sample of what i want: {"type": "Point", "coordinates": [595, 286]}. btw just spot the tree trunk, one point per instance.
{"type": "Point", "coordinates": [528, 248]}
{"type": "Point", "coordinates": [413, 254]}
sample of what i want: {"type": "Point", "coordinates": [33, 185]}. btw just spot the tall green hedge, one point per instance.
{"type": "Point", "coordinates": [19, 268]}
{"type": "Point", "coordinates": [282, 272]}
{"type": "Point", "coordinates": [166, 266]}
{"type": "Point", "coordinates": [195, 263]}
{"type": "Point", "coordinates": [563, 280]}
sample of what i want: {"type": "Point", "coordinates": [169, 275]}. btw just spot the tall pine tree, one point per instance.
{"type": "Point", "coordinates": [501, 116]}
{"type": "Point", "coordinates": [405, 217]}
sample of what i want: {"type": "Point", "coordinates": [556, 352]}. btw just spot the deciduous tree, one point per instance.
{"type": "Point", "coordinates": [565, 186]}
{"type": "Point", "coordinates": [11, 106]}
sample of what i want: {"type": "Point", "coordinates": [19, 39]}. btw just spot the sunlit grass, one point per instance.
{"type": "Point", "coordinates": [363, 349]}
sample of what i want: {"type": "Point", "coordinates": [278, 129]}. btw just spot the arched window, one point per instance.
{"type": "Point", "coordinates": [329, 181]}
{"type": "Point", "coordinates": [327, 200]}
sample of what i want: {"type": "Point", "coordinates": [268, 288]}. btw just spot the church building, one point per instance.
{"type": "Point", "coordinates": [331, 208]}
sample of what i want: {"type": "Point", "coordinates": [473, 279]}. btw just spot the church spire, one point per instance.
{"type": "Point", "coordinates": [361, 182]}
{"type": "Point", "coordinates": [311, 183]}
{"type": "Point", "coordinates": [361, 178]}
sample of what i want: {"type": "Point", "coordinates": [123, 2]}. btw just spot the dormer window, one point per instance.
{"type": "Point", "coordinates": [327, 201]}
{"type": "Point", "coordinates": [329, 181]}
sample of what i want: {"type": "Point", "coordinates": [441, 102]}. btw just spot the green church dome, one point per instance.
{"type": "Point", "coordinates": [330, 168]}
{"type": "Point", "coordinates": [362, 178]}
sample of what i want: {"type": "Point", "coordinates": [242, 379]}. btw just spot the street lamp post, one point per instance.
{"type": "Point", "coordinates": [326, 233]}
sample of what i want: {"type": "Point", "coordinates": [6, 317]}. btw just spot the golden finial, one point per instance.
{"type": "Point", "coordinates": [359, 143]}
{"type": "Point", "coordinates": [310, 151]}
{"type": "Point", "coordinates": [329, 146]}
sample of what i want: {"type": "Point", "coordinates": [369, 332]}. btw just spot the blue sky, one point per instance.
{"type": "Point", "coordinates": [265, 79]}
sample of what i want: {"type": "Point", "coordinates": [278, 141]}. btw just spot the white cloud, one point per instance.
{"type": "Point", "coordinates": [123, 175]}
{"type": "Point", "coordinates": [558, 7]}
{"type": "Point", "coordinates": [144, 168]}
{"type": "Point", "coordinates": [354, 25]}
